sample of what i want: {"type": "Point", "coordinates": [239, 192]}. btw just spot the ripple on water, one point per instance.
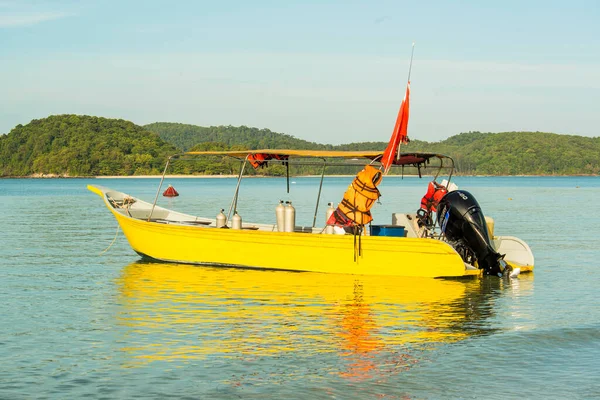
{"type": "Point", "coordinates": [85, 325]}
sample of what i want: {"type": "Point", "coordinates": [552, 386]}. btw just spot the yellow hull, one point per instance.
{"type": "Point", "coordinates": [291, 251]}
{"type": "Point", "coordinates": [385, 256]}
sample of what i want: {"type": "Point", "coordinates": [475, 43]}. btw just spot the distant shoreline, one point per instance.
{"type": "Point", "coordinates": [178, 176]}
{"type": "Point", "coordinates": [160, 176]}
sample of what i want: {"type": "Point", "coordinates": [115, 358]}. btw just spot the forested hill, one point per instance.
{"type": "Point", "coordinates": [75, 145]}
{"type": "Point", "coordinates": [511, 153]}
{"type": "Point", "coordinates": [186, 136]}
{"type": "Point", "coordinates": [506, 153]}
{"type": "Point", "coordinates": [520, 153]}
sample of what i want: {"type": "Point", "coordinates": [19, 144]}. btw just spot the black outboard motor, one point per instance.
{"type": "Point", "coordinates": [463, 223]}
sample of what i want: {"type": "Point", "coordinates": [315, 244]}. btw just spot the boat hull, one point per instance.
{"type": "Point", "coordinates": [292, 251]}
{"type": "Point", "coordinates": [367, 255]}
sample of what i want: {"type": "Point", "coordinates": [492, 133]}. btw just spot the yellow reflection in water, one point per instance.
{"type": "Point", "coordinates": [176, 312]}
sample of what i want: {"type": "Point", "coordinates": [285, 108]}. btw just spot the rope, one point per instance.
{"type": "Point", "coordinates": [113, 241]}
{"type": "Point", "coordinates": [357, 231]}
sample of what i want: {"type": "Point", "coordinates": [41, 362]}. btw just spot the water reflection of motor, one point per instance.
{"type": "Point", "coordinates": [463, 224]}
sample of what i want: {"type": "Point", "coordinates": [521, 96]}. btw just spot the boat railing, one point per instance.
{"type": "Point", "coordinates": [420, 161]}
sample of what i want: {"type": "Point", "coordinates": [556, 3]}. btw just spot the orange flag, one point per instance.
{"type": "Point", "coordinates": [399, 135]}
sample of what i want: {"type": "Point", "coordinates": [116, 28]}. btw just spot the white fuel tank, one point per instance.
{"type": "Point", "coordinates": [221, 219]}
{"type": "Point", "coordinates": [280, 215]}
{"type": "Point", "coordinates": [236, 221]}
{"type": "Point", "coordinates": [328, 213]}
{"type": "Point", "coordinates": [290, 217]}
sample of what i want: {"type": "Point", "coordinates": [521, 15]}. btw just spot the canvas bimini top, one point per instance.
{"type": "Point", "coordinates": [409, 158]}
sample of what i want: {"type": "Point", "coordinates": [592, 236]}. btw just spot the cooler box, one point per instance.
{"type": "Point", "coordinates": [387, 230]}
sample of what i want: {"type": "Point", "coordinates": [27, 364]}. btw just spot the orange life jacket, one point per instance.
{"type": "Point", "coordinates": [432, 198]}
{"type": "Point", "coordinates": [359, 198]}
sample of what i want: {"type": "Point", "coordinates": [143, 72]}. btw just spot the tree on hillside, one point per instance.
{"type": "Point", "coordinates": [77, 145]}
{"type": "Point", "coordinates": [186, 136]}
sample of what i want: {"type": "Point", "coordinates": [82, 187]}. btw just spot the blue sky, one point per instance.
{"type": "Point", "coordinates": [325, 71]}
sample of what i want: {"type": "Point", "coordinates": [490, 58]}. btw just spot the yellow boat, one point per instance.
{"type": "Point", "coordinates": [420, 250]}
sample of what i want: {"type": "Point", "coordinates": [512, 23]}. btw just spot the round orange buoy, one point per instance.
{"type": "Point", "coordinates": [170, 192]}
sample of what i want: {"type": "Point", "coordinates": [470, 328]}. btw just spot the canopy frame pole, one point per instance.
{"type": "Point", "coordinates": [159, 187]}
{"type": "Point", "coordinates": [319, 194]}
{"type": "Point", "coordinates": [287, 175]}
{"type": "Point", "coordinates": [451, 171]}
{"type": "Point", "coordinates": [439, 170]}
{"type": "Point", "coordinates": [233, 206]}
{"type": "Point", "coordinates": [376, 159]}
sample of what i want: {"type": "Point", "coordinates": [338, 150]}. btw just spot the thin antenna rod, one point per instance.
{"type": "Point", "coordinates": [412, 53]}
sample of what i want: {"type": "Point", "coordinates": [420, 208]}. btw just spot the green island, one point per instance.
{"type": "Point", "coordinates": [81, 146]}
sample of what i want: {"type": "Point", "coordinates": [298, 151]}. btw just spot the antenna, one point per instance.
{"type": "Point", "coordinates": [412, 53]}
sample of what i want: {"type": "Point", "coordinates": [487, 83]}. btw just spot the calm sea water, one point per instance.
{"type": "Point", "coordinates": [79, 321]}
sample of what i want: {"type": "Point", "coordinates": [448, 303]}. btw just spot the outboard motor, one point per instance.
{"type": "Point", "coordinates": [463, 223]}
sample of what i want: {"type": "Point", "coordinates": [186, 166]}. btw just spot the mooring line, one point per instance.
{"type": "Point", "coordinates": [113, 241]}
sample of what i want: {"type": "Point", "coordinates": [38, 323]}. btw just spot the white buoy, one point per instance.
{"type": "Point", "coordinates": [290, 217]}
{"type": "Point", "coordinates": [221, 219]}
{"type": "Point", "coordinates": [280, 215]}
{"type": "Point", "coordinates": [328, 213]}
{"type": "Point", "coordinates": [236, 221]}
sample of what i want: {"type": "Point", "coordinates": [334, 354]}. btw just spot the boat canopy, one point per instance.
{"type": "Point", "coordinates": [410, 158]}
{"type": "Point", "coordinates": [259, 158]}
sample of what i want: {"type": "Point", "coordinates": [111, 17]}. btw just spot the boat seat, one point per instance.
{"type": "Point", "coordinates": [189, 222]}
{"type": "Point", "coordinates": [303, 229]}
{"type": "Point", "coordinates": [145, 213]}
{"type": "Point", "coordinates": [409, 221]}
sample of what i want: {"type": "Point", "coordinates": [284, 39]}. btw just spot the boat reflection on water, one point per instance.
{"type": "Point", "coordinates": [359, 326]}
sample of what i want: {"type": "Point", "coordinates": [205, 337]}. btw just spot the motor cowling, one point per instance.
{"type": "Point", "coordinates": [463, 223]}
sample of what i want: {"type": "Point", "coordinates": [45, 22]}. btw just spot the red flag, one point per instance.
{"type": "Point", "coordinates": [400, 133]}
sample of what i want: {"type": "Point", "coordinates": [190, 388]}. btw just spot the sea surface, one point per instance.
{"type": "Point", "coordinates": [83, 317]}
